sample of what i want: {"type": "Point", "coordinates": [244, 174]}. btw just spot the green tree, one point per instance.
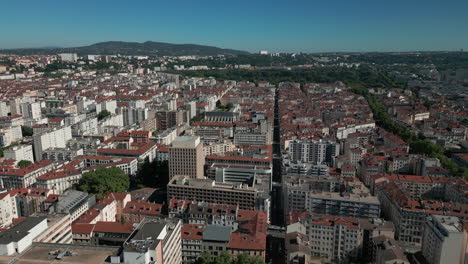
{"type": "Point", "coordinates": [152, 174]}
{"type": "Point", "coordinates": [103, 114]}
{"type": "Point", "coordinates": [24, 163]}
{"type": "Point", "coordinates": [27, 131]}
{"type": "Point", "coordinates": [246, 259]}
{"type": "Point", "coordinates": [103, 181]}
{"type": "Point", "coordinates": [225, 258]}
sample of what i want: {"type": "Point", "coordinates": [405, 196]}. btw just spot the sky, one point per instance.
{"type": "Point", "coordinates": [253, 25]}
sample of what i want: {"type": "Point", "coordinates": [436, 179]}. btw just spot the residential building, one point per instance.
{"type": "Point", "coordinates": [154, 241]}
{"type": "Point", "coordinates": [21, 152]}
{"type": "Point", "coordinates": [444, 240]}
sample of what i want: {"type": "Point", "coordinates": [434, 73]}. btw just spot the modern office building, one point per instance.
{"type": "Point", "coordinates": [205, 190]}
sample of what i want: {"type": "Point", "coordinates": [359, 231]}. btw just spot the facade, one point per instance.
{"type": "Point", "coordinates": [74, 203]}
{"type": "Point", "coordinates": [22, 152]}
{"type": "Point", "coordinates": [58, 229]}
{"type": "Point", "coordinates": [320, 195]}
{"type": "Point", "coordinates": [92, 162]}
{"type": "Point", "coordinates": [255, 139]}
{"type": "Point", "coordinates": [31, 110]}
{"type": "Point", "coordinates": [154, 241]}
{"type": "Point", "coordinates": [20, 237]}
{"type": "Point", "coordinates": [317, 152]}
{"type": "Point", "coordinates": [7, 208]}
{"type": "Point", "coordinates": [186, 157]}
{"type": "Point", "coordinates": [55, 138]}
{"type": "Point", "coordinates": [444, 240]}
{"type": "Point", "coordinates": [14, 178]}
{"type": "Point", "coordinates": [192, 238]}
{"type": "Point", "coordinates": [334, 239]}
{"type": "Point", "coordinates": [9, 135]}
{"type": "Point", "coordinates": [183, 188]}
{"type": "Point", "coordinates": [68, 57]}
{"type": "Point", "coordinates": [133, 116]}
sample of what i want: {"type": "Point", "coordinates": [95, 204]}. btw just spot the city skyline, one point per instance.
{"type": "Point", "coordinates": [302, 26]}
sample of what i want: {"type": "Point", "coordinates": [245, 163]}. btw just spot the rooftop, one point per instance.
{"type": "Point", "coordinates": [217, 233]}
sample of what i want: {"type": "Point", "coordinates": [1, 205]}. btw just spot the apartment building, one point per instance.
{"type": "Point", "coordinates": [319, 195]}
{"type": "Point", "coordinates": [52, 139]}
{"type": "Point", "coordinates": [154, 241]}
{"type": "Point", "coordinates": [337, 239]}
{"type": "Point", "coordinates": [444, 240]}
{"type": "Point", "coordinates": [7, 208]}
{"type": "Point", "coordinates": [310, 151]}
{"type": "Point", "coordinates": [14, 177]}
{"type": "Point", "coordinates": [9, 135]}
{"type": "Point", "coordinates": [21, 152]}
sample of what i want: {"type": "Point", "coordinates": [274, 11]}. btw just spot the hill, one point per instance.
{"type": "Point", "coordinates": [148, 48]}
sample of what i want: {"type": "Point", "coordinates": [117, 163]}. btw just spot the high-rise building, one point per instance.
{"type": "Point", "coordinates": [134, 115]}
{"type": "Point", "coordinates": [317, 152]}
{"type": "Point", "coordinates": [444, 240]}
{"type": "Point", "coordinates": [4, 109]}
{"type": "Point", "coordinates": [56, 138]}
{"type": "Point", "coordinates": [168, 119]}
{"type": "Point", "coordinates": [69, 57]}
{"type": "Point", "coordinates": [18, 153]}
{"type": "Point", "coordinates": [31, 110]}
{"type": "Point", "coordinates": [186, 157]}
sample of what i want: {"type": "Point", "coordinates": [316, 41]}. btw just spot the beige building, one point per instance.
{"type": "Point", "coordinates": [205, 190]}
{"type": "Point", "coordinates": [58, 229]}
{"type": "Point", "coordinates": [186, 157]}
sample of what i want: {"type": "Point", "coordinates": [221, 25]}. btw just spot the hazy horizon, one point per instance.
{"type": "Point", "coordinates": [276, 26]}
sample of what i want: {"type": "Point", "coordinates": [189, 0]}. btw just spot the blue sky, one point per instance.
{"type": "Point", "coordinates": [277, 26]}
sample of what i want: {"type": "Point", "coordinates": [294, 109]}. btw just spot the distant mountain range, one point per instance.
{"type": "Point", "coordinates": [148, 48]}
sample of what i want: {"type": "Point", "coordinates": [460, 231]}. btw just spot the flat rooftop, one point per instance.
{"type": "Point", "coordinates": [39, 253]}
{"type": "Point", "coordinates": [186, 142]}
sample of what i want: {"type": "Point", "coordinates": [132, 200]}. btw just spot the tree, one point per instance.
{"type": "Point", "coordinates": [153, 174]}
{"type": "Point", "coordinates": [225, 258]}
{"type": "Point", "coordinates": [103, 114]}
{"type": "Point", "coordinates": [24, 163]}
{"type": "Point", "coordinates": [103, 181]}
{"type": "Point", "coordinates": [27, 131]}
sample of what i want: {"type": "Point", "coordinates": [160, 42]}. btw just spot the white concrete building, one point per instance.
{"type": "Point", "coordinates": [4, 109]}
{"type": "Point", "coordinates": [56, 138]}
{"type": "Point", "coordinates": [444, 240]}
{"type": "Point", "coordinates": [9, 135]}
{"type": "Point", "coordinates": [31, 110]}
{"type": "Point", "coordinates": [21, 152]}
{"type": "Point", "coordinates": [154, 241]}
{"type": "Point", "coordinates": [68, 57]}
{"type": "Point", "coordinates": [109, 105]}
{"type": "Point", "coordinates": [317, 152]}
{"type": "Point", "coordinates": [20, 237]}
{"type": "Point", "coordinates": [7, 208]}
